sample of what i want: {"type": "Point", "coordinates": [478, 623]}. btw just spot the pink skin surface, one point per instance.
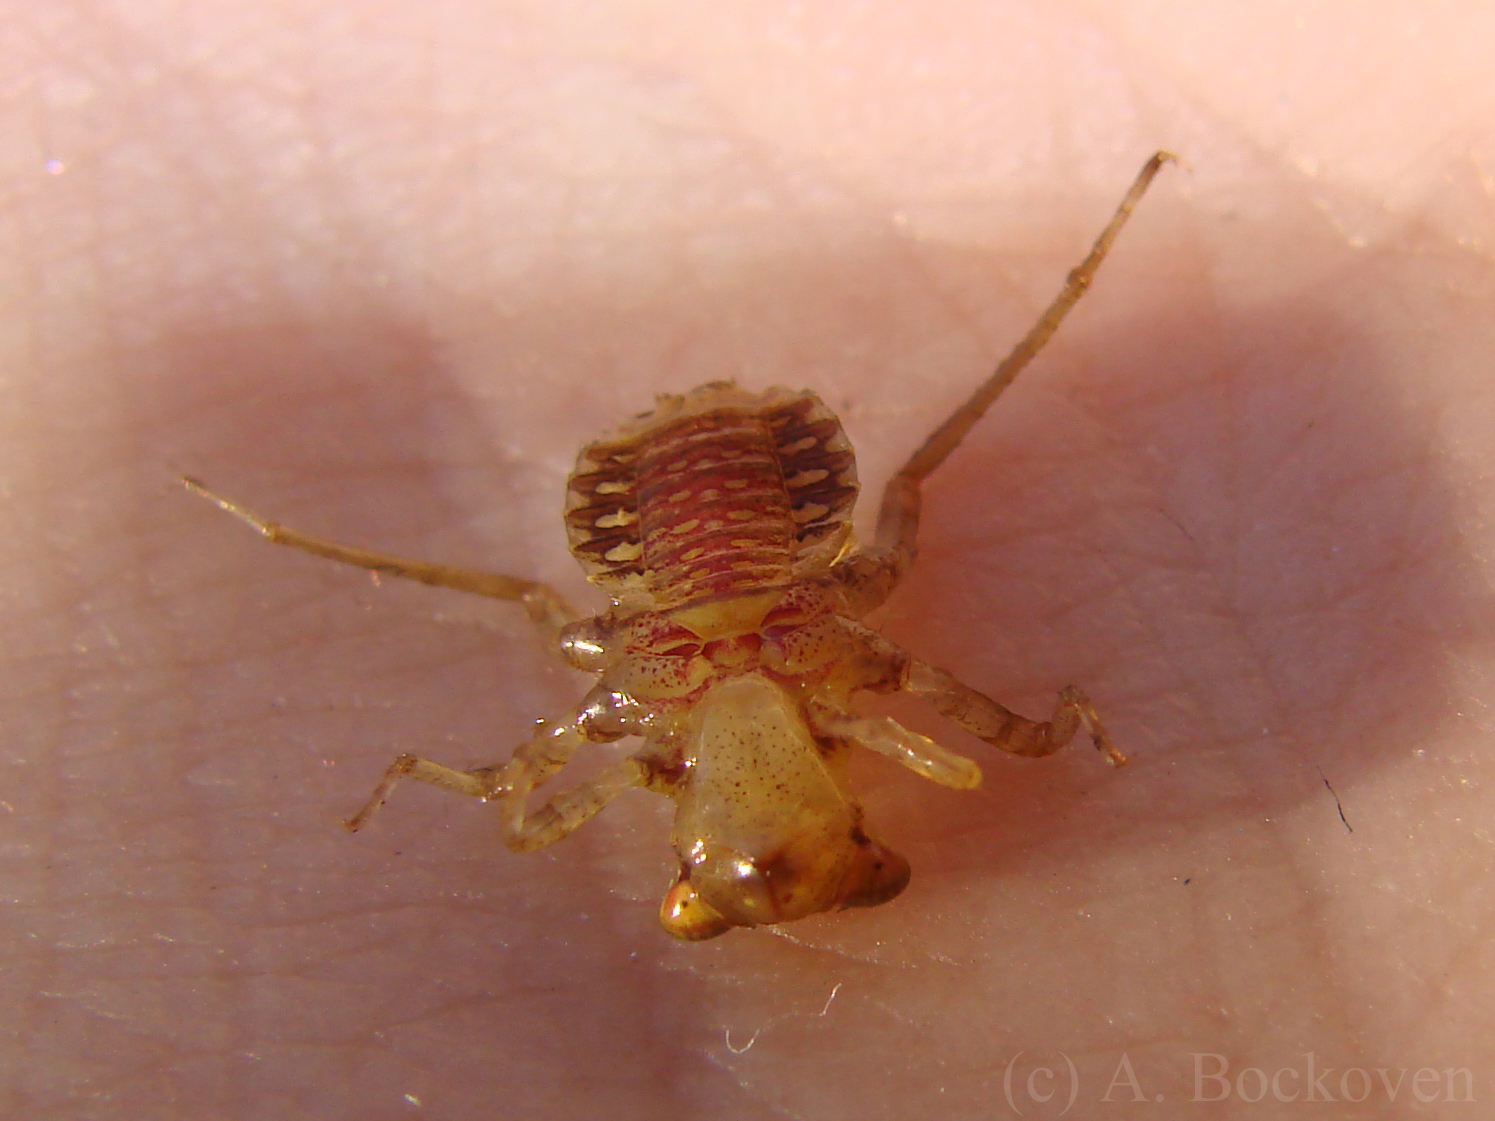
{"type": "Point", "coordinates": [378, 269]}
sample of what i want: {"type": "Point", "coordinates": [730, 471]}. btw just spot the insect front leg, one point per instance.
{"type": "Point", "coordinates": [885, 667]}
{"type": "Point", "coordinates": [871, 574]}
{"type": "Point", "coordinates": [885, 736]}
{"type": "Point", "coordinates": [485, 783]}
{"type": "Point", "coordinates": [999, 726]}
{"type": "Point", "coordinates": [542, 756]}
{"type": "Point", "coordinates": [545, 606]}
{"type": "Point", "coordinates": [511, 784]}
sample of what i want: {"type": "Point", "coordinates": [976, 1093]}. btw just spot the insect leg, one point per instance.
{"type": "Point", "coordinates": [511, 784]}
{"type": "Point", "coordinates": [919, 754]}
{"type": "Point", "coordinates": [482, 783]}
{"type": "Point", "coordinates": [544, 604]}
{"type": "Point", "coordinates": [540, 757]}
{"type": "Point", "coordinates": [526, 830]}
{"type": "Point", "coordinates": [1003, 728]}
{"type": "Point", "coordinates": [898, 519]}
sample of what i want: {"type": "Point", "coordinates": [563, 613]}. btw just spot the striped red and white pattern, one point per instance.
{"type": "Point", "coordinates": [717, 492]}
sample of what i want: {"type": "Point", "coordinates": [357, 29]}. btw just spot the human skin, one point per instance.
{"type": "Point", "coordinates": [379, 269]}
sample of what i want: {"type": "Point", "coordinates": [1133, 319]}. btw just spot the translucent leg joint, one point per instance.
{"type": "Point", "coordinates": [919, 754]}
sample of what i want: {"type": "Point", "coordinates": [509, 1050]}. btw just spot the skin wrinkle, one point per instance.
{"type": "Point", "coordinates": [344, 405]}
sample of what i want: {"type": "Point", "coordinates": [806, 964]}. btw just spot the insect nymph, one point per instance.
{"type": "Point", "coordinates": [719, 524]}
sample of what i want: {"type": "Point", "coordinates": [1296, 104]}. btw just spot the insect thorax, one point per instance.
{"type": "Point", "coordinates": [714, 493]}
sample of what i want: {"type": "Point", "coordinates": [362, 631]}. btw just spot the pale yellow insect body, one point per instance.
{"type": "Point", "coordinates": [719, 524]}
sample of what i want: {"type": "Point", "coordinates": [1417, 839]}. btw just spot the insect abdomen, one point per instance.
{"type": "Point", "coordinates": [715, 493]}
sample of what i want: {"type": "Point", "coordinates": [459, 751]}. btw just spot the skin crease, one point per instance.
{"type": "Point", "coordinates": [378, 270]}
